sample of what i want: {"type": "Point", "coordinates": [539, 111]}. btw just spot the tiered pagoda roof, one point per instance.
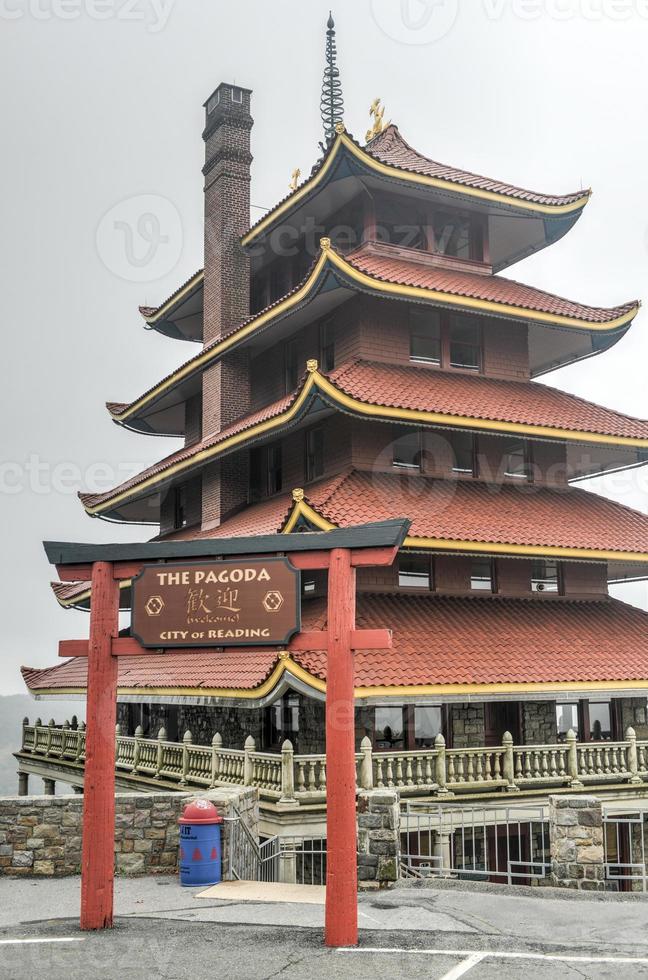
{"type": "Point", "coordinates": [467, 645]}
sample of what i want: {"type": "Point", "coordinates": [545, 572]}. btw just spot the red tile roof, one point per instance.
{"type": "Point", "coordinates": [460, 510]}
{"type": "Point", "coordinates": [377, 262]}
{"type": "Point", "coordinates": [438, 640]}
{"type": "Point", "coordinates": [426, 390]}
{"type": "Point", "coordinates": [475, 397]}
{"type": "Point", "coordinates": [390, 148]}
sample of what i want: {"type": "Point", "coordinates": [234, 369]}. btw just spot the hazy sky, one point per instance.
{"type": "Point", "coordinates": [102, 117]}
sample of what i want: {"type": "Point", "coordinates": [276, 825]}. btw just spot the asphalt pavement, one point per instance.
{"type": "Point", "coordinates": [441, 933]}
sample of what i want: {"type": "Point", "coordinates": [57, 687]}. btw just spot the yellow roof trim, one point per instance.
{"type": "Point", "coordinates": [330, 257]}
{"type": "Point", "coordinates": [176, 298]}
{"type": "Point", "coordinates": [305, 510]}
{"type": "Point", "coordinates": [342, 140]}
{"type": "Point", "coordinates": [416, 416]}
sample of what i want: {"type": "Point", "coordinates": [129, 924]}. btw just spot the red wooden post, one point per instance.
{"type": "Point", "coordinates": [98, 845]}
{"type": "Point", "coordinates": [341, 923]}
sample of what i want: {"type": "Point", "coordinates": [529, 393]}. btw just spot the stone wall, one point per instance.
{"type": "Point", "coordinates": [41, 835]}
{"type": "Point", "coordinates": [467, 722]}
{"type": "Point", "coordinates": [633, 715]}
{"type": "Point", "coordinates": [576, 833]}
{"type": "Point", "coordinates": [539, 723]}
{"type": "Point", "coordinates": [379, 836]}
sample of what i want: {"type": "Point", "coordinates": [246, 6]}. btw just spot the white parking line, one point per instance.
{"type": "Point", "coordinates": [463, 967]}
{"type": "Point", "coordinates": [32, 942]}
{"type": "Point", "coordinates": [494, 954]}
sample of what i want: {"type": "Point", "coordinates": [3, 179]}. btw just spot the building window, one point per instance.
{"type": "Point", "coordinates": [179, 507]}
{"type": "Point", "coordinates": [545, 576]}
{"type": "Point", "coordinates": [600, 721]}
{"type": "Point", "coordinates": [464, 456]}
{"type": "Point", "coordinates": [314, 454]}
{"type": "Point", "coordinates": [327, 346]}
{"type": "Point", "coordinates": [452, 235]}
{"type": "Point", "coordinates": [516, 459]}
{"type": "Point", "coordinates": [407, 448]}
{"type": "Point", "coordinates": [415, 572]}
{"type": "Point", "coordinates": [482, 575]}
{"type": "Point", "coordinates": [465, 344]}
{"type": "Point", "coordinates": [389, 728]}
{"type": "Point", "coordinates": [265, 471]}
{"type": "Point", "coordinates": [428, 723]}
{"type": "Point", "coordinates": [282, 722]}
{"type": "Point", "coordinates": [567, 716]}
{"type": "Point", "coordinates": [291, 365]}
{"type": "Point", "coordinates": [425, 336]}
{"type": "Point", "coordinates": [237, 95]}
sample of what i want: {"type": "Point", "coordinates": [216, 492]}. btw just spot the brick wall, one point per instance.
{"type": "Point", "coordinates": [41, 835]}
{"type": "Point", "coordinates": [193, 420]}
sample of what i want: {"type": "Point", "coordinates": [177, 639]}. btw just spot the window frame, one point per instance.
{"type": "Point", "coordinates": [180, 517]}
{"type": "Point", "coordinates": [560, 585]}
{"type": "Point", "coordinates": [424, 559]}
{"type": "Point", "coordinates": [492, 562]}
{"type": "Point", "coordinates": [327, 345]}
{"type": "Point", "coordinates": [407, 430]}
{"type": "Point", "coordinates": [312, 471]}
{"type": "Point", "coordinates": [446, 323]}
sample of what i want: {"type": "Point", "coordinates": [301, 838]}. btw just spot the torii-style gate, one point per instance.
{"type": "Point", "coordinates": [340, 552]}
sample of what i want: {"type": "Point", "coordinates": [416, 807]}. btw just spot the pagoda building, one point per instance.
{"type": "Point", "coordinates": [359, 354]}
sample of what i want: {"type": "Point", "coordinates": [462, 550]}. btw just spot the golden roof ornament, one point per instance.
{"type": "Point", "coordinates": [312, 365]}
{"type": "Point", "coordinates": [294, 179]}
{"type": "Point", "coordinates": [377, 110]}
{"type": "Point", "coordinates": [298, 494]}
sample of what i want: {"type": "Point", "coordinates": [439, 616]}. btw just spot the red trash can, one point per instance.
{"type": "Point", "coordinates": [200, 844]}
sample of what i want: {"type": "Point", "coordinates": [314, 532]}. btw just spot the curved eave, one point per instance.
{"type": "Point", "coordinates": [304, 512]}
{"type": "Point", "coordinates": [344, 143]}
{"type": "Point", "coordinates": [317, 384]}
{"type": "Point", "coordinates": [349, 277]}
{"type": "Point", "coordinates": [288, 673]}
{"type": "Point", "coordinates": [162, 318]}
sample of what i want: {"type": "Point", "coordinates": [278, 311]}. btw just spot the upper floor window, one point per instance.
{"type": "Point", "coordinates": [406, 448]}
{"type": "Point", "coordinates": [452, 235]}
{"type": "Point", "coordinates": [327, 346]}
{"type": "Point", "coordinates": [415, 572]}
{"type": "Point", "coordinates": [265, 471]}
{"type": "Point", "coordinates": [463, 445]}
{"type": "Point", "coordinates": [465, 343]}
{"type": "Point", "coordinates": [449, 341]}
{"type": "Point", "coordinates": [425, 336]}
{"type": "Point", "coordinates": [482, 575]}
{"type": "Point", "coordinates": [291, 365]}
{"type": "Point", "coordinates": [517, 459]}
{"type": "Point", "coordinates": [179, 507]}
{"type": "Point", "coordinates": [314, 453]}
{"type": "Point", "coordinates": [545, 576]}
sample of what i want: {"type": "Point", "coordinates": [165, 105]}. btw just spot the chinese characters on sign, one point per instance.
{"type": "Point", "coordinates": [216, 604]}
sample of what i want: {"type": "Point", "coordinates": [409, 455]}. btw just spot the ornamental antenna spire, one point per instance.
{"type": "Point", "coordinates": [332, 102]}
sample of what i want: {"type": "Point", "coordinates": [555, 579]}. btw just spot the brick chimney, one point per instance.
{"type": "Point", "coordinates": [226, 388]}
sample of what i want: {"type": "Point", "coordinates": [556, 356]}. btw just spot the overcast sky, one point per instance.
{"type": "Point", "coordinates": [102, 117]}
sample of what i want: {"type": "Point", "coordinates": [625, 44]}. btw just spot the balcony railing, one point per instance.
{"type": "Point", "coordinates": [289, 779]}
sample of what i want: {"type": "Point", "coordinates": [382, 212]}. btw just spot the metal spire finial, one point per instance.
{"type": "Point", "coordinates": [332, 102]}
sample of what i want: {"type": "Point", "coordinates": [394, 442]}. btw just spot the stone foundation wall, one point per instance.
{"type": "Point", "coordinates": [379, 836]}
{"type": "Point", "coordinates": [467, 721]}
{"type": "Point", "coordinates": [41, 835]}
{"type": "Point", "coordinates": [539, 723]}
{"type": "Point", "coordinates": [576, 832]}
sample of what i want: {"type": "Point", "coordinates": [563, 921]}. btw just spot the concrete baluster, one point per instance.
{"type": "Point", "coordinates": [440, 772]}
{"type": "Point", "coordinates": [287, 774]}
{"type": "Point", "coordinates": [572, 758]}
{"type": "Point", "coordinates": [248, 761]}
{"type": "Point", "coordinates": [366, 764]}
{"type": "Point", "coordinates": [217, 745]}
{"type": "Point", "coordinates": [159, 759]}
{"type": "Point", "coordinates": [633, 761]}
{"type": "Point", "coordinates": [509, 763]}
{"type": "Point", "coordinates": [139, 732]}
{"type": "Point", "coordinates": [187, 740]}
{"type": "Point", "coordinates": [50, 727]}
{"type": "Point", "coordinates": [23, 784]}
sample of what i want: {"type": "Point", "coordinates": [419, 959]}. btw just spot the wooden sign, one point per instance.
{"type": "Point", "coordinates": [251, 602]}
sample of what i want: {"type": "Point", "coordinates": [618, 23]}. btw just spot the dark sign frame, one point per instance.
{"type": "Point", "coordinates": [220, 643]}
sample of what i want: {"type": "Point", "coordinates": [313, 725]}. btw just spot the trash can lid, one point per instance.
{"type": "Point", "coordinates": [200, 811]}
